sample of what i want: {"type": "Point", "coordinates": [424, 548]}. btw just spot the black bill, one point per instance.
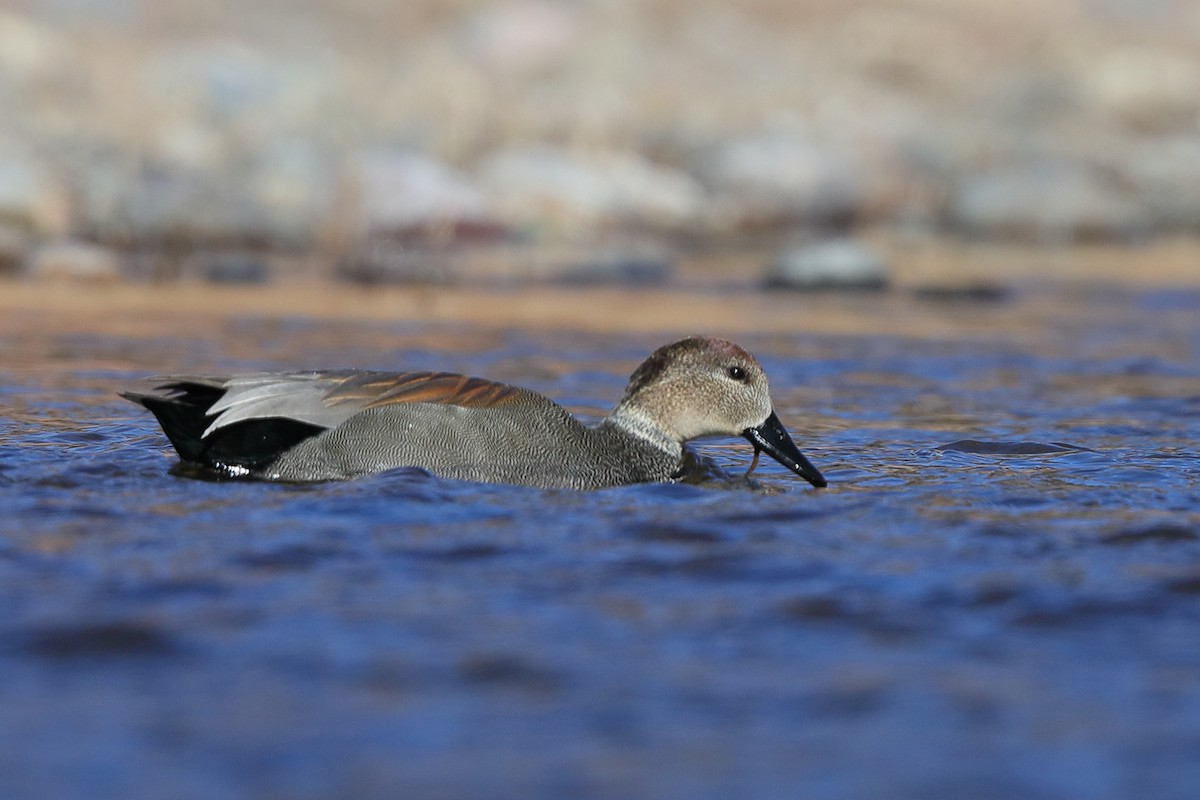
{"type": "Point", "coordinates": [773, 439]}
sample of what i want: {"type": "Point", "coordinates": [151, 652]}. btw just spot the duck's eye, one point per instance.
{"type": "Point", "coordinates": [737, 373]}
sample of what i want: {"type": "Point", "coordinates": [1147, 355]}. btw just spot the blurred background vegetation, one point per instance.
{"type": "Point", "coordinates": [585, 140]}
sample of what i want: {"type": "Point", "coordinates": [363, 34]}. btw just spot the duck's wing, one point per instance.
{"type": "Point", "coordinates": [327, 399]}
{"type": "Point", "coordinates": [247, 421]}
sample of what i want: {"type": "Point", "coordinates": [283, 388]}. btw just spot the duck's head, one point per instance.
{"type": "Point", "coordinates": [711, 387]}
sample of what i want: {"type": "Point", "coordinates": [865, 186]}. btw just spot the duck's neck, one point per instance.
{"type": "Point", "coordinates": [634, 421]}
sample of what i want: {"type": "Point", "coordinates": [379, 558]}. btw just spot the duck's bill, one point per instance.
{"type": "Point", "coordinates": [773, 439]}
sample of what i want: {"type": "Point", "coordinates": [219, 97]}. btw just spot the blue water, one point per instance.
{"type": "Point", "coordinates": [1019, 618]}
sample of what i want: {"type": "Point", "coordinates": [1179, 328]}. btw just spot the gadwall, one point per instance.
{"type": "Point", "coordinates": [333, 425]}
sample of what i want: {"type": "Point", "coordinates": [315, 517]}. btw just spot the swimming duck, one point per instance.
{"type": "Point", "coordinates": [335, 425]}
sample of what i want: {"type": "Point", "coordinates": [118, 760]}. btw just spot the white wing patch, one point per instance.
{"type": "Point", "coordinates": [298, 396]}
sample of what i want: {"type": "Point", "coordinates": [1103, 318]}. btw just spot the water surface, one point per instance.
{"type": "Point", "coordinates": [998, 596]}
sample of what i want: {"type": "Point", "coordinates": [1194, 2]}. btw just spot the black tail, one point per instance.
{"type": "Point", "coordinates": [182, 411]}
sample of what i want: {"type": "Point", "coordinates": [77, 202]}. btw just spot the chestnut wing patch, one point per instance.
{"type": "Point", "coordinates": [372, 390]}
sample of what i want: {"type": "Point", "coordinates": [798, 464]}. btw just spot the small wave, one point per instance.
{"type": "Point", "coordinates": [1011, 448]}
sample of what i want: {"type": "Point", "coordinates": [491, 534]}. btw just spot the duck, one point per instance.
{"type": "Point", "coordinates": [332, 425]}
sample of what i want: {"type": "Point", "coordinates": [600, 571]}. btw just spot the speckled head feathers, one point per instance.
{"type": "Point", "coordinates": [699, 386]}
{"type": "Point", "coordinates": [691, 351]}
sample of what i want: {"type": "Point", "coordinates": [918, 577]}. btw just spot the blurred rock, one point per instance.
{"type": "Point", "coordinates": [520, 37]}
{"type": "Point", "coordinates": [1147, 89]}
{"type": "Point", "coordinates": [617, 266]}
{"type": "Point", "coordinates": [18, 193]}
{"type": "Point", "coordinates": [1165, 171]}
{"type": "Point", "coordinates": [74, 261]}
{"type": "Point", "coordinates": [828, 264]}
{"type": "Point", "coordinates": [971, 291]}
{"type": "Point", "coordinates": [276, 198]}
{"type": "Point", "coordinates": [392, 263]}
{"type": "Point", "coordinates": [170, 208]}
{"type": "Point", "coordinates": [293, 183]}
{"type": "Point", "coordinates": [29, 198]}
{"type": "Point", "coordinates": [1055, 201]}
{"type": "Point", "coordinates": [228, 267]}
{"type": "Point", "coordinates": [103, 12]}
{"type": "Point", "coordinates": [14, 242]}
{"type": "Point", "coordinates": [774, 179]}
{"type": "Point", "coordinates": [215, 103]}
{"type": "Point", "coordinates": [411, 198]}
{"type": "Point", "coordinates": [28, 48]}
{"type": "Point", "coordinates": [545, 185]}
{"type": "Point", "coordinates": [217, 81]}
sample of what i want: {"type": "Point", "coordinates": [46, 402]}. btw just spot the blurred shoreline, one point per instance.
{"type": "Point", "coordinates": [940, 292]}
{"type": "Point", "coordinates": [598, 140]}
